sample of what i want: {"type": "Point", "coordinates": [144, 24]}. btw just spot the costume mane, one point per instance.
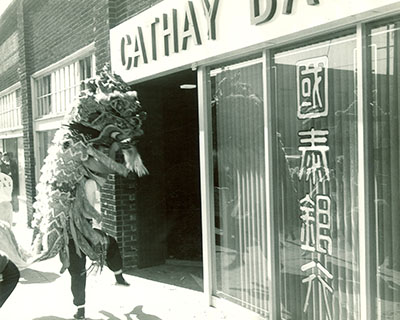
{"type": "Point", "coordinates": [106, 120]}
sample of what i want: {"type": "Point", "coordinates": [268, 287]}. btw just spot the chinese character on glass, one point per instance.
{"type": "Point", "coordinates": [323, 224]}
{"type": "Point", "coordinates": [322, 275]}
{"type": "Point", "coordinates": [316, 224]}
{"type": "Point", "coordinates": [307, 238]}
{"type": "Point", "coordinates": [312, 88]}
{"type": "Point", "coordinates": [313, 155]}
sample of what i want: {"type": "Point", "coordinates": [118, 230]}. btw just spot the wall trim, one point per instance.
{"type": "Point", "coordinates": [89, 49]}
{"type": "Point", "coordinates": [12, 133]}
{"type": "Point", "coordinates": [11, 89]}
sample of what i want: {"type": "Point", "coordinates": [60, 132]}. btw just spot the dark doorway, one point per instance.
{"type": "Point", "coordinates": [168, 200]}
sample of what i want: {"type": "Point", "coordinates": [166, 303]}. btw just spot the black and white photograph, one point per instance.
{"type": "Point", "coordinates": [200, 159]}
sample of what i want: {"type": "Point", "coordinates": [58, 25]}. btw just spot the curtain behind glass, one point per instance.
{"type": "Point", "coordinates": [239, 182]}
{"type": "Point", "coordinates": [315, 181]}
{"type": "Point", "coordinates": [385, 76]}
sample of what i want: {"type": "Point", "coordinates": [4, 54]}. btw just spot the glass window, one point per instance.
{"type": "Point", "coordinates": [45, 139]}
{"type": "Point", "coordinates": [85, 66]}
{"type": "Point", "coordinates": [315, 179]}
{"type": "Point", "coordinates": [384, 159]}
{"type": "Point", "coordinates": [43, 88]}
{"type": "Point", "coordinates": [56, 91]}
{"type": "Point", "coordinates": [10, 110]}
{"type": "Point", "coordinates": [239, 185]}
{"type": "Point", "coordinates": [11, 166]}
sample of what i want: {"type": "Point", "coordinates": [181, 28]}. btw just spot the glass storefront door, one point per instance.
{"type": "Point", "coordinates": [239, 185]}
{"type": "Point", "coordinates": [315, 179]}
{"type": "Point", "coordinates": [384, 92]}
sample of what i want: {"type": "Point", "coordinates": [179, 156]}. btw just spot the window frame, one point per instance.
{"type": "Point", "coordinates": [14, 122]}
{"type": "Point", "coordinates": [53, 119]}
{"type": "Point", "coordinates": [55, 71]}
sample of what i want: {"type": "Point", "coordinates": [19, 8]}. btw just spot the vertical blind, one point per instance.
{"type": "Point", "coordinates": [315, 180]}
{"type": "Point", "coordinates": [239, 182]}
{"type": "Point", "coordinates": [384, 160]}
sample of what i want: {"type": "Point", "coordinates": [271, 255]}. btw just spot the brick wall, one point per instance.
{"type": "Point", "coordinates": [27, 122]}
{"type": "Point", "coordinates": [58, 28]}
{"type": "Point", "coordinates": [122, 10]}
{"type": "Point", "coordinates": [9, 47]}
{"type": "Point", "coordinates": [118, 204]}
{"type": "Point", "coordinates": [102, 34]}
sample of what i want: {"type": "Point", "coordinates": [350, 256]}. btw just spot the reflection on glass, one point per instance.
{"type": "Point", "coordinates": [384, 92]}
{"type": "Point", "coordinates": [239, 184]}
{"type": "Point", "coordinates": [315, 182]}
{"type": "Point", "coordinates": [45, 138]}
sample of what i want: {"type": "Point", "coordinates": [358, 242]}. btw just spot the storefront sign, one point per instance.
{"type": "Point", "coordinates": [264, 10]}
{"type": "Point", "coordinates": [170, 33]}
{"type": "Point", "coordinates": [174, 33]}
{"type": "Point", "coordinates": [315, 207]}
{"type": "Point", "coordinates": [166, 33]}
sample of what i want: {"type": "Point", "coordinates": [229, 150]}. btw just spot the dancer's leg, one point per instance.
{"type": "Point", "coordinates": [77, 270]}
{"type": "Point", "coordinates": [114, 261]}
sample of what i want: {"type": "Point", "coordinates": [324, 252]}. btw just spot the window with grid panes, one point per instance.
{"type": "Point", "coordinates": [10, 110]}
{"type": "Point", "coordinates": [56, 91]}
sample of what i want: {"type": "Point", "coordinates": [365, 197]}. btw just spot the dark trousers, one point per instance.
{"type": "Point", "coordinates": [77, 268]}
{"type": "Point", "coordinates": [10, 280]}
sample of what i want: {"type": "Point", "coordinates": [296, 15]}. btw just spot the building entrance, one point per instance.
{"type": "Point", "coordinates": [169, 213]}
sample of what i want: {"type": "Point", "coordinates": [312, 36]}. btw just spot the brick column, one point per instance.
{"type": "Point", "coordinates": [118, 205]}
{"type": "Point", "coordinates": [27, 121]}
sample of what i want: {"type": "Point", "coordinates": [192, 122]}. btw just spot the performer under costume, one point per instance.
{"type": "Point", "coordinates": [77, 268]}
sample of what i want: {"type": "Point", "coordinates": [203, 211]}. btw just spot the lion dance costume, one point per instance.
{"type": "Point", "coordinates": [106, 119]}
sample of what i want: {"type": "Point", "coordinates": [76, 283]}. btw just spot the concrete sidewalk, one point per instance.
{"type": "Point", "coordinates": [44, 294]}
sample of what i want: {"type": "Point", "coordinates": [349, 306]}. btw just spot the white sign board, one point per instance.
{"type": "Point", "coordinates": [176, 33]}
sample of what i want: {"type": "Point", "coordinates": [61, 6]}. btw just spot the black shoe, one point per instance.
{"type": "Point", "coordinates": [121, 281]}
{"type": "Point", "coordinates": [80, 314]}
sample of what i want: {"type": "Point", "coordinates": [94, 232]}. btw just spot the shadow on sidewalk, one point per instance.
{"type": "Point", "coordinates": [137, 313]}
{"type": "Point", "coordinates": [173, 273]}
{"type": "Point", "coordinates": [58, 318]}
{"type": "Point", "coordinates": [29, 276]}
